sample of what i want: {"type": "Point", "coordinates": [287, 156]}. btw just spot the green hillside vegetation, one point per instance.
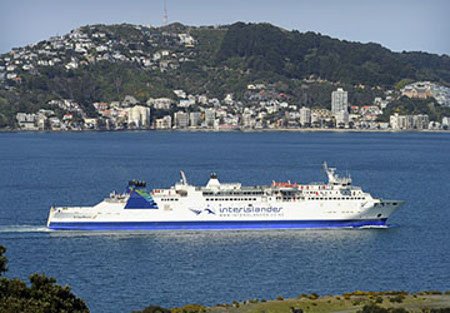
{"type": "Point", "coordinates": [266, 48]}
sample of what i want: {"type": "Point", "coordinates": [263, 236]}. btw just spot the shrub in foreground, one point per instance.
{"type": "Point", "coordinates": [42, 296]}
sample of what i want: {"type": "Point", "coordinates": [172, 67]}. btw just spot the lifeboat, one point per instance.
{"type": "Point", "coordinates": [287, 184]}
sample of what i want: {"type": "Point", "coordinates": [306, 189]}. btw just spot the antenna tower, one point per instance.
{"type": "Point", "coordinates": [165, 17]}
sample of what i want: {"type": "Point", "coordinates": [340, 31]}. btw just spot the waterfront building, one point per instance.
{"type": "Point", "coordinates": [181, 120]}
{"type": "Point", "coordinates": [401, 122]}
{"type": "Point", "coordinates": [139, 116]}
{"type": "Point", "coordinates": [210, 117]}
{"type": "Point", "coordinates": [394, 121]}
{"type": "Point", "coordinates": [339, 101]}
{"type": "Point", "coordinates": [248, 121]}
{"type": "Point", "coordinates": [406, 121]}
{"type": "Point", "coordinates": [26, 121]}
{"type": "Point", "coordinates": [305, 117]}
{"type": "Point", "coordinates": [342, 119]}
{"type": "Point", "coordinates": [421, 121]}
{"type": "Point", "coordinates": [41, 121]}
{"type": "Point", "coordinates": [446, 122]}
{"type": "Point", "coordinates": [434, 125]}
{"type": "Point", "coordinates": [164, 123]}
{"type": "Point", "coordinates": [195, 118]}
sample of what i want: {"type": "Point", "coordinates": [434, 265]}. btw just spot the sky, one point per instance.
{"type": "Point", "coordinates": [411, 25]}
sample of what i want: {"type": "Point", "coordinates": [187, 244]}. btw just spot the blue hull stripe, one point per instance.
{"type": "Point", "coordinates": [215, 225]}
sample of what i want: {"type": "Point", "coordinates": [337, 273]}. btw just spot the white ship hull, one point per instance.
{"type": "Point", "coordinates": [230, 206]}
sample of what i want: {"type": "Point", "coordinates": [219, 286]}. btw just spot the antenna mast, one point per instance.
{"type": "Point", "coordinates": [165, 17]}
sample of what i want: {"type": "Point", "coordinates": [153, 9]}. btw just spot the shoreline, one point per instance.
{"type": "Point", "coordinates": [278, 130]}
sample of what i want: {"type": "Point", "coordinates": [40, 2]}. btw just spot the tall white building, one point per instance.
{"type": "Point", "coordinates": [339, 101]}
{"type": "Point", "coordinates": [210, 117]}
{"type": "Point", "coordinates": [181, 119]}
{"type": "Point", "coordinates": [195, 118]}
{"type": "Point", "coordinates": [139, 116]}
{"type": "Point", "coordinates": [305, 117]}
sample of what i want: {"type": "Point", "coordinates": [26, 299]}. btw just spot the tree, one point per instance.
{"type": "Point", "coordinates": [3, 261]}
{"type": "Point", "coordinates": [43, 296]}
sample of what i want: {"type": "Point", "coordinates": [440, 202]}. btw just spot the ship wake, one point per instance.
{"type": "Point", "coordinates": [24, 229]}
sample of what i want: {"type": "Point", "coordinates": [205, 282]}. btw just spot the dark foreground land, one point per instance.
{"type": "Point", "coordinates": [359, 301]}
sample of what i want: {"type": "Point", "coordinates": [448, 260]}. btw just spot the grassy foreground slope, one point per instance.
{"type": "Point", "coordinates": [347, 304]}
{"type": "Point", "coordinates": [361, 302]}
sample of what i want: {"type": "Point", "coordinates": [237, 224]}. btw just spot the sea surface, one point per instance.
{"type": "Point", "coordinates": [122, 271]}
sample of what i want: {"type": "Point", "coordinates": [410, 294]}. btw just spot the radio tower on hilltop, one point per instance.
{"type": "Point", "coordinates": [165, 16]}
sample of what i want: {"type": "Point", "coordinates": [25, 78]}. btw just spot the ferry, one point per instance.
{"type": "Point", "coordinates": [221, 206]}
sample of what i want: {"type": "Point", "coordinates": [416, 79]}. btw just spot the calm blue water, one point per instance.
{"type": "Point", "coordinates": [119, 272]}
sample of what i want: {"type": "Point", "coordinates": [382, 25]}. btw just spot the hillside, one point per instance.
{"type": "Point", "coordinates": [263, 47]}
{"type": "Point", "coordinates": [108, 62]}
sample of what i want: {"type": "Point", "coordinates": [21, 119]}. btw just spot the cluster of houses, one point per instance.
{"type": "Point", "coordinates": [156, 49]}
{"type": "Point", "coordinates": [185, 111]}
{"type": "Point", "coordinates": [163, 49]}
{"type": "Point", "coordinates": [425, 90]}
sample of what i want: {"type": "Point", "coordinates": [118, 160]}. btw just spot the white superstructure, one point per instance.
{"type": "Point", "coordinates": [231, 206]}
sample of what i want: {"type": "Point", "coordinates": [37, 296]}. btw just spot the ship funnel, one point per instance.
{"type": "Point", "coordinates": [213, 181]}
